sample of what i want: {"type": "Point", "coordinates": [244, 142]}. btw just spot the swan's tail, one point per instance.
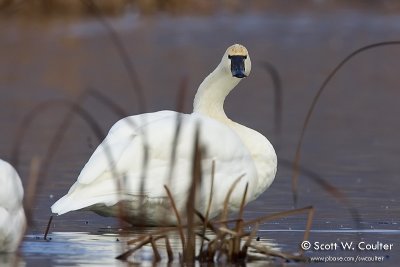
{"type": "Point", "coordinates": [61, 206]}
{"type": "Point", "coordinates": [68, 203]}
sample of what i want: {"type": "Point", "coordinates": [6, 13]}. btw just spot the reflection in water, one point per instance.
{"type": "Point", "coordinates": [11, 260]}
{"type": "Point", "coordinates": [84, 249]}
{"type": "Point", "coordinates": [81, 249]}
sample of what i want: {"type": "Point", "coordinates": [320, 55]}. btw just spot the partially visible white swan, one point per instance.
{"type": "Point", "coordinates": [235, 149]}
{"type": "Point", "coordinates": [12, 215]}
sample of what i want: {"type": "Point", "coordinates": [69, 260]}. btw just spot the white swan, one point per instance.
{"type": "Point", "coordinates": [12, 215]}
{"type": "Point", "coordinates": [235, 149]}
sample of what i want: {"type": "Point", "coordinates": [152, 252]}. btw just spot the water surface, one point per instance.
{"type": "Point", "coordinates": [352, 141]}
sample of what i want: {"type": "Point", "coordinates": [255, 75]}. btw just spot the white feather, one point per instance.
{"type": "Point", "coordinates": [12, 216]}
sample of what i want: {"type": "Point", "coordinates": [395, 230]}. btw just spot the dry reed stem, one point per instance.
{"type": "Point", "coordinates": [239, 228]}
{"type": "Point", "coordinates": [277, 215]}
{"type": "Point", "coordinates": [178, 217]}
{"type": "Point", "coordinates": [74, 108]}
{"type": "Point", "coordinates": [139, 239]}
{"type": "Point", "coordinates": [270, 252]}
{"type": "Point", "coordinates": [221, 234]}
{"type": "Point", "coordinates": [249, 239]}
{"type": "Point", "coordinates": [152, 240]}
{"type": "Point", "coordinates": [205, 219]}
{"type": "Point", "coordinates": [278, 98]}
{"type": "Point", "coordinates": [224, 214]}
{"type": "Point", "coordinates": [224, 246]}
{"type": "Point", "coordinates": [107, 102]}
{"type": "Point", "coordinates": [228, 231]}
{"type": "Point", "coordinates": [136, 86]}
{"type": "Point", "coordinates": [29, 199]}
{"type": "Point", "coordinates": [157, 256]}
{"type": "Point", "coordinates": [169, 249]}
{"type": "Point", "coordinates": [190, 252]}
{"type": "Point", "coordinates": [241, 209]}
{"type": "Point", "coordinates": [225, 221]}
{"type": "Point", "coordinates": [296, 162]}
{"type": "Point", "coordinates": [31, 187]}
{"type": "Point", "coordinates": [310, 217]}
{"type": "Point", "coordinates": [123, 54]}
{"type": "Point", "coordinates": [330, 189]}
{"type": "Point", "coordinates": [203, 237]}
{"type": "Point", "coordinates": [124, 256]}
{"type": "Point", "coordinates": [180, 106]}
{"type": "Point", "coordinates": [211, 191]}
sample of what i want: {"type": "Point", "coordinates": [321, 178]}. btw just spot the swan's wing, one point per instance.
{"type": "Point", "coordinates": [110, 150]}
{"type": "Point", "coordinates": [96, 183]}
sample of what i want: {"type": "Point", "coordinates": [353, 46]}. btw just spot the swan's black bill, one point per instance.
{"type": "Point", "coordinates": [237, 66]}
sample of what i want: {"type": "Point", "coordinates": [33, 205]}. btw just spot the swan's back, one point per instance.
{"type": "Point", "coordinates": [96, 186]}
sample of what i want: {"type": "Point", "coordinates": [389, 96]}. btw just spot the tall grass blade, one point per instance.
{"type": "Point", "coordinates": [31, 188]}
{"type": "Point", "coordinates": [225, 210]}
{"type": "Point", "coordinates": [278, 97]}
{"type": "Point", "coordinates": [189, 253]}
{"type": "Point", "coordinates": [170, 253]}
{"type": "Point", "coordinates": [124, 256]}
{"type": "Point", "coordinates": [249, 239]}
{"type": "Point", "coordinates": [308, 224]}
{"type": "Point", "coordinates": [296, 162]}
{"type": "Point", "coordinates": [123, 54]}
{"type": "Point", "coordinates": [327, 187]}
{"type": "Point", "coordinates": [206, 217]}
{"type": "Point", "coordinates": [74, 109]}
{"type": "Point", "coordinates": [277, 216]}
{"type": "Point", "coordinates": [178, 217]}
{"type": "Point", "coordinates": [156, 254]}
{"type": "Point", "coordinates": [239, 227]}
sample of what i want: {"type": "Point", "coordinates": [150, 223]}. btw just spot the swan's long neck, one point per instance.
{"type": "Point", "coordinates": [210, 96]}
{"type": "Point", "coordinates": [209, 101]}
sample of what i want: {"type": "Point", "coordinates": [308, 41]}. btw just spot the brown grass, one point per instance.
{"type": "Point", "coordinates": [228, 244]}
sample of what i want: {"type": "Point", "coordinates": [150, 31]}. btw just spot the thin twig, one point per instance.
{"type": "Point", "coordinates": [169, 249]}
{"type": "Point", "coordinates": [205, 221]}
{"type": "Point", "coordinates": [48, 227]}
{"type": "Point", "coordinates": [190, 251]}
{"type": "Point", "coordinates": [278, 98]}
{"type": "Point", "coordinates": [250, 238]}
{"type": "Point", "coordinates": [157, 256]}
{"type": "Point", "coordinates": [276, 215]}
{"type": "Point", "coordinates": [224, 214]}
{"type": "Point", "coordinates": [269, 252]}
{"type": "Point", "coordinates": [123, 54]}
{"type": "Point", "coordinates": [296, 162]}
{"type": "Point", "coordinates": [124, 256]}
{"type": "Point", "coordinates": [178, 218]}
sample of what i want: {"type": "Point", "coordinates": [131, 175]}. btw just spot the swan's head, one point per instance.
{"type": "Point", "coordinates": [237, 61]}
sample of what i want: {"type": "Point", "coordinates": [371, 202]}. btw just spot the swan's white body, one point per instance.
{"type": "Point", "coordinates": [12, 216]}
{"type": "Point", "coordinates": [236, 150]}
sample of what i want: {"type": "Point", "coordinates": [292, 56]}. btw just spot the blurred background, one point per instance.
{"type": "Point", "coordinates": [57, 49]}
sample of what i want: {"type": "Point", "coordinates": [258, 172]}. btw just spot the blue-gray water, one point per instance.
{"type": "Point", "coordinates": [352, 141]}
